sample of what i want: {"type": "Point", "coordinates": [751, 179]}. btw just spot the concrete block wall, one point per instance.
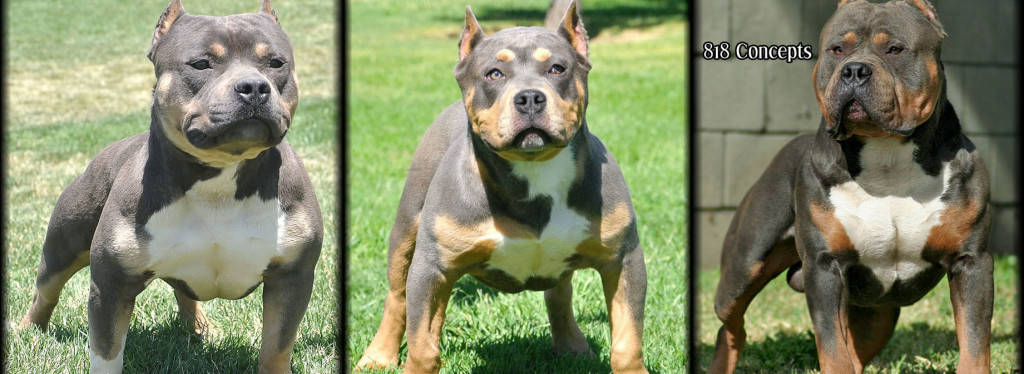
{"type": "Point", "coordinates": [749, 109]}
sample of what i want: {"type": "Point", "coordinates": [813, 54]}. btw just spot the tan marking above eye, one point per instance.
{"type": "Point", "coordinates": [881, 38]}
{"type": "Point", "coordinates": [505, 55]}
{"type": "Point", "coordinates": [217, 49]}
{"type": "Point", "coordinates": [541, 54]}
{"type": "Point", "coordinates": [850, 38]}
{"type": "Point", "coordinates": [261, 49]}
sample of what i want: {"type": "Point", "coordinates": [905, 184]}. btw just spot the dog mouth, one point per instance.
{"type": "Point", "coordinates": [854, 112]}
{"type": "Point", "coordinates": [235, 137]}
{"type": "Point", "coordinates": [855, 119]}
{"type": "Point", "coordinates": [531, 140]}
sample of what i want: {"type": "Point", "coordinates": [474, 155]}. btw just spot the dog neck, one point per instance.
{"type": "Point", "coordinates": [512, 185]}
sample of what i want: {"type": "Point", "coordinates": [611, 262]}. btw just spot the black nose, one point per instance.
{"type": "Point", "coordinates": [856, 73]}
{"type": "Point", "coordinates": [253, 90]}
{"type": "Point", "coordinates": [530, 101]}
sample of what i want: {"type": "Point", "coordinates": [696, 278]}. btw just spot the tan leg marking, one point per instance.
{"type": "Point", "coordinates": [566, 336]}
{"type": "Point", "coordinates": [626, 347]}
{"type": "Point", "coordinates": [607, 234]}
{"type": "Point", "coordinates": [45, 298]}
{"type": "Point", "coordinates": [954, 227]}
{"type": "Point", "coordinates": [868, 332]}
{"type": "Point", "coordinates": [425, 341]}
{"type": "Point", "coordinates": [274, 358]}
{"type": "Point", "coordinates": [839, 360]}
{"type": "Point", "coordinates": [732, 336]}
{"type": "Point", "coordinates": [465, 245]}
{"type": "Point", "coordinates": [831, 229]}
{"type": "Point", "coordinates": [383, 349]}
{"type": "Point", "coordinates": [191, 314]}
{"type": "Point", "coordinates": [971, 361]}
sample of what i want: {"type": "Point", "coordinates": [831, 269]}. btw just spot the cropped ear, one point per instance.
{"type": "Point", "coordinates": [265, 8]}
{"type": "Point", "coordinates": [171, 14]}
{"type": "Point", "coordinates": [928, 10]}
{"type": "Point", "coordinates": [572, 29]}
{"type": "Point", "coordinates": [472, 34]}
{"type": "Point", "coordinates": [844, 2]}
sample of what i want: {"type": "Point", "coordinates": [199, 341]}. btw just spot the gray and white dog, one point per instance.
{"type": "Point", "coordinates": [211, 199]}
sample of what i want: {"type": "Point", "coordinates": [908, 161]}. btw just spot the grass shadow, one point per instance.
{"type": "Point", "coordinates": [510, 354]}
{"type": "Point", "coordinates": [468, 290]}
{"type": "Point", "coordinates": [590, 315]}
{"type": "Point", "coordinates": [596, 17]}
{"type": "Point", "coordinates": [65, 334]}
{"type": "Point", "coordinates": [167, 347]}
{"type": "Point", "coordinates": [788, 351]}
{"type": "Point", "coordinates": [779, 352]}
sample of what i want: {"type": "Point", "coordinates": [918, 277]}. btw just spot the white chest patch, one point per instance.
{"type": "Point", "coordinates": [219, 246]}
{"type": "Point", "coordinates": [889, 210]}
{"type": "Point", "coordinates": [544, 256]}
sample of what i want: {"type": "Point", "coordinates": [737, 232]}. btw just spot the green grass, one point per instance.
{"type": "Point", "coordinates": [402, 54]}
{"type": "Point", "coordinates": [78, 79]}
{"type": "Point", "coordinates": [780, 339]}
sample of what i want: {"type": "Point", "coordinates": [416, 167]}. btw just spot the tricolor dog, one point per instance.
{"type": "Point", "coordinates": [510, 187]}
{"type": "Point", "coordinates": [872, 211]}
{"type": "Point", "coordinates": [211, 199]}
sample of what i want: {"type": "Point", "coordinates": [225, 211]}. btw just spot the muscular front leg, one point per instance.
{"type": "Point", "coordinates": [565, 332]}
{"type": "Point", "coordinates": [285, 298]}
{"type": "Point", "coordinates": [383, 349]}
{"type": "Point", "coordinates": [827, 302]}
{"type": "Point", "coordinates": [625, 288]}
{"type": "Point", "coordinates": [427, 295]}
{"type": "Point", "coordinates": [112, 295]}
{"type": "Point", "coordinates": [971, 292]}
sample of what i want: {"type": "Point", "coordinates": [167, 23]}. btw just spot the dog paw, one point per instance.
{"type": "Point", "coordinates": [195, 322]}
{"type": "Point", "coordinates": [25, 324]}
{"type": "Point", "coordinates": [368, 362]}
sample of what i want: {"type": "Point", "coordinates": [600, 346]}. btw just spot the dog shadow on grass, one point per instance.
{"type": "Point", "coordinates": [533, 354]}
{"type": "Point", "coordinates": [791, 351]}
{"type": "Point", "coordinates": [169, 348]}
{"type": "Point", "coordinates": [518, 354]}
{"type": "Point", "coordinates": [468, 290]}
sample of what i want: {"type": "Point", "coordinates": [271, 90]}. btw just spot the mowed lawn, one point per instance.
{"type": "Point", "coordinates": [780, 337]}
{"type": "Point", "coordinates": [400, 78]}
{"type": "Point", "coordinates": [77, 80]}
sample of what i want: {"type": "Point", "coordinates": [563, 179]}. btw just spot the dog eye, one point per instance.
{"type": "Point", "coordinates": [275, 63]}
{"type": "Point", "coordinates": [837, 50]}
{"type": "Point", "coordinates": [894, 50]}
{"type": "Point", "coordinates": [200, 65]}
{"type": "Point", "coordinates": [495, 74]}
{"type": "Point", "coordinates": [556, 69]}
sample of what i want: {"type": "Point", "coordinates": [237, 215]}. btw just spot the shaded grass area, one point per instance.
{"type": "Point", "coordinates": [780, 337]}
{"type": "Point", "coordinates": [400, 78]}
{"type": "Point", "coordinates": [78, 80]}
